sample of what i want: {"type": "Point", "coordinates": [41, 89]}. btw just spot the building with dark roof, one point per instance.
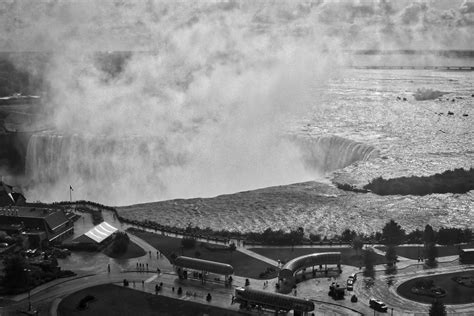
{"type": "Point", "coordinates": [50, 224]}
{"type": "Point", "coordinates": [9, 197]}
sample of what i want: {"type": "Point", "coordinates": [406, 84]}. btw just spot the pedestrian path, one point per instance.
{"type": "Point", "coordinates": [383, 253]}
{"type": "Point", "coordinates": [150, 279]}
{"type": "Point", "coordinates": [257, 256]}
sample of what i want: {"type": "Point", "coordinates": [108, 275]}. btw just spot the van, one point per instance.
{"type": "Point", "coordinates": [378, 305]}
{"type": "Point", "coordinates": [353, 276]}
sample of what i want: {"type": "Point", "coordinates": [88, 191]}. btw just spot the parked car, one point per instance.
{"type": "Point", "coordinates": [33, 253]}
{"type": "Point", "coordinates": [353, 276]}
{"type": "Point", "coordinates": [3, 245]}
{"type": "Point", "coordinates": [336, 292]}
{"type": "Point", "coordinates": [378, 305]}
{"type": "Point", "coordinates": [350, 284]}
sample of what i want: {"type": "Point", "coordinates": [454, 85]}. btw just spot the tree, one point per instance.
{"type": "Point", "coordinates": [392, 233]}
{"type": "Point", "coordinates": [437, 309]}
{"type": "Point", "coordinates": [357, 244]}
{"type": "Point", "coordinates": [173, 256]}
{"type": "Point", "coordinates": [296, 236]}
{"type": "Point", "coordinates": [348, 235]}
{"type": "Point", "coordinates": [369, 262]}
{"type": "Point", "coordinates": [16, 274]}
{"type": "Point", "coordinates": [431, 253]}
{"type": "Point", "coordinates": [232, 248]}
{"type": "Point", "coordinates": [428, 235]}
{"type": "Point", "coordinates": [188, 242]}
{"type": "Point", "coordinates": [120, 243]}
{"type": "Point", "coordinates": [391, 255]}
{"type": "Point", "coordinates": [314, 237]}
{"type": "Point", "coordinates": [414, 237]}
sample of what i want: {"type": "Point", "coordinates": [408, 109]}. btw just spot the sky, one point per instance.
{"type": "Point", "coordinates": [145, 25]}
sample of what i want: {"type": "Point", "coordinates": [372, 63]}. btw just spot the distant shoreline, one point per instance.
{"type": "Point", "coordinates": [458, 181]}
{"type": "Point", "coordinates": [457, 53]}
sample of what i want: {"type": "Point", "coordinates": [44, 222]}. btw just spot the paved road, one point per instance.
{"type": "Point", "coordinates": [384, 287]}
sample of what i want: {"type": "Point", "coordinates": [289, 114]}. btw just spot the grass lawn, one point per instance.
{"type": "Point", "coordinates": [243, 264]}
{"type": "Point", "coordinates": [455, 293]}
{"type": "Point", "coordinates": [118, 300]}
{"type": "Point", "coordinates": [413, 252]}
{"type": "Point", "coordinates": [285, 254]}
{"type": "Point", "coordinates": [133, 251]}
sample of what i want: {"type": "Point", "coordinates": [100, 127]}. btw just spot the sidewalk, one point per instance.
{"type": "Point", "coordinates": [257, 256]}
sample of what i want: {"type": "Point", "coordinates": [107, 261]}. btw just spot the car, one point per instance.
{"type": "Point", "coordinates": [3, 245]}
{"type": "Point", "coordinates": [350, 284]}
{"type": "Point", "coordinates": [378, 305]}
{"type": "Point", "coordinates": [353, 276]}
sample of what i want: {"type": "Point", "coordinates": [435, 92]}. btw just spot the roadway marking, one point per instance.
{"type": "Point", "coordinates": [151, 278]}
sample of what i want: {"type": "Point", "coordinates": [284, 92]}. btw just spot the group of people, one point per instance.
{"type": "Point", "coordinates": [159, 255]}
{"type": "Point", "coordinates": [141, 267]}
{"type": "Point", "coordinates": [158, 287]}
{"type": "Point", "coordinates": [188, 293]}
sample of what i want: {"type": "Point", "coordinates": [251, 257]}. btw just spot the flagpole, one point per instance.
{"type": "Point", "coordinates": [70, 193]}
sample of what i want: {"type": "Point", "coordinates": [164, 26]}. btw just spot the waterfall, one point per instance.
{"type": "Point", "coordinates": [329, 153]}
{"type": "Point", "coordinates": [132, 169]}
{"type": "Point", "coordinates": [102, 167]}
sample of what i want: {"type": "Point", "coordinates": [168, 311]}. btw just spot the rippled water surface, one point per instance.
{"type": "Point", "coordinates": [414, 138]}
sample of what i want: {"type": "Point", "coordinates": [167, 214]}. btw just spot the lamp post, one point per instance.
{"type": "Point", "coordinates": [28, 285]}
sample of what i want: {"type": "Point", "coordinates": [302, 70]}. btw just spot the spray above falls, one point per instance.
{"type": "Point", "coordinates": [198, 99]}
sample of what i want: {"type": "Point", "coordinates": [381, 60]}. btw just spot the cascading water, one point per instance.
{"type": "Point", "coordinates": [134, 169]}
{"type": "Point", "coordinates": [100, 166]}
{"type": "Point", "coordinates": [329, 153]}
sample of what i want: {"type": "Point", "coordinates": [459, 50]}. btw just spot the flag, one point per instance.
{"type": "Point", "coordinates": [70, 188]}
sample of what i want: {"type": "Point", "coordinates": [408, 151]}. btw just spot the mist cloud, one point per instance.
{"type": "Point", "coordinates": [206, 88]}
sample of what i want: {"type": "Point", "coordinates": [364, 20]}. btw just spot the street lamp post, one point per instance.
{"type": "Point", "coordinates": [29, 300]}
{"type": "Point", "coordinates": [28, 285]}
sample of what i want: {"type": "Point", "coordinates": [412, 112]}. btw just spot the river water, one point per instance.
{"type": "Point", "coordinates": [409, 137]}
{"type": "Point", "coordinates": [365, 124]}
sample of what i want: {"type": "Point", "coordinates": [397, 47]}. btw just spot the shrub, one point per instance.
{"type": "Point", "coordinates": [188, 242]}
{"type": "Point", "coordinates": [83, 303]}
{"type": "Point", "coordinates": [314, 237]}
{"type": "Point", "coordinates": [120, 243]}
